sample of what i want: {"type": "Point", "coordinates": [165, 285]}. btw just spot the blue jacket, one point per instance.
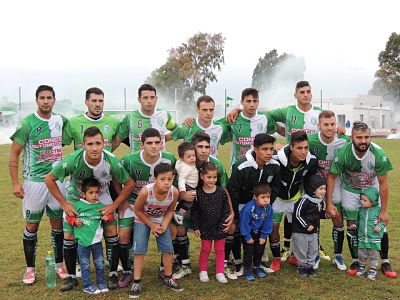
{"type": "Point", "coordinates": [254, 218]}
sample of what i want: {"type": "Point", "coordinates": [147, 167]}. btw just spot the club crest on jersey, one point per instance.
{"type": "Point", "coordinates": [314, 121]}
{"type": "Point", "coordinates": [259, 126]}
{"type": "Point", "coordinates": [214, 138]}
{"type": "Point", "coordinates": [106, 128]}
{"type": "Point", "coordinates": [103, 173]}
{"type": "Point", "coordinates": [160, 122]}
{"type": "Point", "coordinates": [39, 130]}
{"type": "Point", "coordinates": [370, 165]}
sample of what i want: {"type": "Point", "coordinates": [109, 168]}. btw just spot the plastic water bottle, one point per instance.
{"type": "Point", "coordinates": [50, 270]}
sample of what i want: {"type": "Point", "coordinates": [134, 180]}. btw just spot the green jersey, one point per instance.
{"type": "Point", "coordinates": [222, 176]}
{"type": "Point", "coordinates": [136, 122]}
{"type": "Point", "coordinates": [91, 231]}
{"type": "Point", "coordinates": [218, 132]}
{"type": "Point", "coordinates": [142, 172]}
{"type": "Point", "coordinates": [325, 153]}
{"type": "Point", "coordinates": [296, 119]}
{"type": "Point", "coordinates": [245, 129]}
{"type": "Point", "coordinates": [79, 169]}
{"type": "Point", "coordinates": [357, 173]}
{"type": "Point", "coordinates": [76, 126]}
{"type": "Point", "coordinates": [41, 140]}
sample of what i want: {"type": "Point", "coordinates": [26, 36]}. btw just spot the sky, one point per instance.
{"type": "Point", "coordinates": [73, 45]}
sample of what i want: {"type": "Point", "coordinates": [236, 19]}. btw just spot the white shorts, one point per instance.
{"type": "Point", "coordinates": [281, 207]}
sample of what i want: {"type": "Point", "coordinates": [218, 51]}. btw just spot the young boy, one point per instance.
{"type": "Point", "coordinates": [370, 232]}
{"type": "Point", "coordinates": [188, 177]}
{"type": "Point", "coordinates": [89, 233]}
{"type": "Point", "coordinates": [255, 226]}
{"type": "Point", "coordinates": [154, 209]}
{"type": "Point", "coordinates": [306, 216]}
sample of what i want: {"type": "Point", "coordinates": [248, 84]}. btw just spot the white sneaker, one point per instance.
{"type": "Point", "coordinates": [316, 264]}
{"type": "Point", "coordinates": [324, 256]}
{"type": "Point", "coordinates": [29, 276]}
{"type": "Point", "coordinates": [221, 278]}
{"type": "Point", "coordinates": [203, 275]}
{"type": "Point", "coordinates": [239, 272]}
{"type": "Point", "coordinates": [105, 290]}
{"type": "Point", "coordinates": [264, 258]}
{"type": "Point", "coordinates": [339, 263]}
{"type": "Point", "coordinates": [266, 269]}
{"type": "Point", "coordinates": [229, 273]}
{"type": "Point", "coordinates": [182, 272]}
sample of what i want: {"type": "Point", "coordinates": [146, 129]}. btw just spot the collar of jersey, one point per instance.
{"type": "Point", "coordinates": [322, 142]}
{"type": "Point", "coordinates": [87, 202]}
{"type": "Point", "coordinates": [93, 120]}
{"type": "Point", "coordinates": [303, 111]}
{"type": "Point", "coordinates": [247, 118]}
{"type": "Point", "coordinates": [355, 154]}
{"type": "Point", "coordinates": [201, 127]}
{"type": "Point", "coordinates": [43, 119]}
{"type": "Point", "coordinates": [147, 164]}
{"type": "Point", "coordinates": [147, 116]}
{"type": "Point", "coordinates": [89, 165]}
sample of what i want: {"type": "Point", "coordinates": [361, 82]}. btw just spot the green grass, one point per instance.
{"type": "Point", "coordinates": [330, 283]}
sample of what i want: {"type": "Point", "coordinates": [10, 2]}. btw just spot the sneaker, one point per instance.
{"type": "Point", "coordinates": [339, 262]}
{"type": "Point", "coordinates": [266, 270]}
{"type": "Point", "coordinates": [276, 264]}
{"type": "Point", "coordinates": [203, 275]}
{"type": "Point", "coordinates": [239, 270]}
{"type": "Point", "coordinates": [68, 284]}
{"type": "Point", "coordinates": [182, 272]}
{"type": "Point", "coordinates": [29, 276]}
{"type": "Point", "coordinates": [361, 271]}
{"type": "Point", "coordinates": [178, 218]}
{"type": "Point", "coordinates": [292, 260]}
{"type": "Point", "coordinates": [135, 291]}
{"type": "Point", "coordinates": [91, 290]}
{"type": "Point", "coordinates": [302, 271]}
{"type": "Point", "coordinates": [317, 261]}
{"type": "Point", "coordinates": [112, 282]}
{"type": "Point", "coordinates": [311, 272]}
{"type": "Point", "coordinates": [250, 277]}
{"type": "Point", "coordinates": [285, 253]}
{"type": "Point", "coordinates": [229, 273]}
{"type": "Point", "coordinates": [60, 271]}
{"type": "Point", "coordinates": [221, 278]}
{"type": "Point", "coordinates": [78, 272]}
{"type": "Point", "coordinates": [323, 255]}
{"type": "Point", "coordinates": [259, 272]}
{"type": "Point", "coordinates": [387, 270]}
{"type": "Point", "coordinates": [372, 274]}
{"type": "Point", "coordinates": [104, 290]}
{"type": "Point", "coordinates": [354, 267]}
{"type": "Point", "coordinates": [172, 285]}
{"type": "Point", "coordinates": [125, 280]}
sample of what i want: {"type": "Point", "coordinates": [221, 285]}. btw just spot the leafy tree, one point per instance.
{"type": "Point", "coordinates": [388, 74]}
{"type": "Point", "coordinates": [191, 66]}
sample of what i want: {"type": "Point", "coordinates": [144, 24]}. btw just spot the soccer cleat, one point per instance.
{"type": "Point", "coordinates": [78, 272]}
{"type": "Point", "coordinates": [135, 291]}
{"type": "Point", "coordinates": [302, 271]}
{"type": "Point", "coordinates": [239, 270]}
{"type": "Point", "coordinates": [91, 290]}
{"type": "Point", "coordinates": [250, 277]}
{"type": "Point", "coordinates": [266, 270]}
{"type": "Point", "coordinates": [178, 218]}
{"type": "Point", "coordinates": [221, 278]}
{"type": "Point", "coordinates": [105, 290]}
{"type": "Point", "coordinates": [229, 273]}
{"type": "Point", "coordinates": [323, 255]}
{"type": "Point", "coordinates": [203, 275]}
{"type": "Point", "coordinates": [354, 267]}
{"type": "Point", "coordinates": [338, 262]}
{"type": "Point", "coordinates": [361, 271]}
{"type": "Point", "coordinates": [276, 264]}
{"type": "Point", "coordinates": [60, 271]}
{"type": "Point", "coordinates": [371, 274]}
{"type": "Point", "coordinates": [311, 272]}
{"type": "Point", "coordinates": [29, 276]}
{"type": "Point", "coordinates": [317, 261]}
{"type": "Point", "coordinates": [292, 260]}
{"type": "Point", "coordinates": [259, 272]}
{"type": "Point", "coordinates": [182, 272]}
{"type": "Point", "coordinates": [387, 270]}
{"type": "Point", "coordinates": [112, 282]}
{"type": "Point", "coordinates": [68, 284]}
{"type": "Point", "coordinates": [125, 280]}
{"type": "Point", "coordinates": [285, 253]}
{"type": "Point", "coordinates": [172, 285]}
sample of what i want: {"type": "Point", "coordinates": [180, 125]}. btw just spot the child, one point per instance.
{"type": "Point", "coordinates": [307, 213]}
{"type": "Point", "coordinates": [370, 232]}
{"type": "Point", "coordinates": [255, 226]}
{"type": "Point", "coordinates": [154, 208]}
{"type": "Point", "coordinates": [209, 212]}
{"type": "Point", "coordinates": [89, 233]}
{"type": "Point", "coordinates": [188, 177]}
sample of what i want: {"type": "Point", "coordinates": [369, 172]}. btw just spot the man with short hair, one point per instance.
{"type": "Point", "coordinates": [91, 161]}
{"type": "Point", "coordinates": [360, 164]}
{"type": "Point", "coordinates": [38, 136]}
{"type": "Point", "coordinates": [137, 121]}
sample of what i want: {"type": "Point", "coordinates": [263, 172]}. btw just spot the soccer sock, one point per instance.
{"type": "Point", "coordinates": [30, 242]}
{"type": "Point", "coordinates": [70, 256]}
{"type": "Point", "coordinates": [124, 257]}
{"type": "Point", "coordinates": [352, 240]}
{"type": "Point", "coordinates": [287, 232]}
{"type": "Point", "coordinates": [57, 237]}
{"type": "Point", "coordinates": [384, 252]}
{"type": "Point", "coordinates": [338, 238]}
{"type": "Point", "coordinates": [112, 250]}
{"type": "Point", "coordinates": [183, 248]}
{"type": "Point", "coordinates": [275, 248]}
{"type": "Point", "coordinates": [237, 246]}
{"type": "Point", "coordinates": [228, 246]}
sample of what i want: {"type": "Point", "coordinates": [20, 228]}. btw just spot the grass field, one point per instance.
{"type": "Point", "coordinates": [330, 283]}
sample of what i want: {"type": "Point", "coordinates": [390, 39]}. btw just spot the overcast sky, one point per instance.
{"type": "Point", "coordinates": [74, 45]}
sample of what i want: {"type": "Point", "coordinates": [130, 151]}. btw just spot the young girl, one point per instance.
{"type": "Point", "coordinates": [209, 212]}
{"type": "Point", "coordinates": [154, 208]}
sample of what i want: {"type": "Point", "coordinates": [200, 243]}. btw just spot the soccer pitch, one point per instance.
{"type": "Point", "coordinates": [329, 284]}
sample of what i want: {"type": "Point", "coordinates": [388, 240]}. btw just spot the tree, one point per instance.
{"type": "Point", "coordinates": [191, 66]}
{"type": "Point", "coordinates": [273, 67]}
{"type": "Point", "coordinates": [388, 74]}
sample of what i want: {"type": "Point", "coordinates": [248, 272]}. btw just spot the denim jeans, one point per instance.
{"type": "Point", "coordinates": [141, 240]}
{"type": "Point", "coordinates": [98, 260]}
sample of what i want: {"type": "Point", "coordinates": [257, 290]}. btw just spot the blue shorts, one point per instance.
{"type": "Point", "coordinates": [141, 240]}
